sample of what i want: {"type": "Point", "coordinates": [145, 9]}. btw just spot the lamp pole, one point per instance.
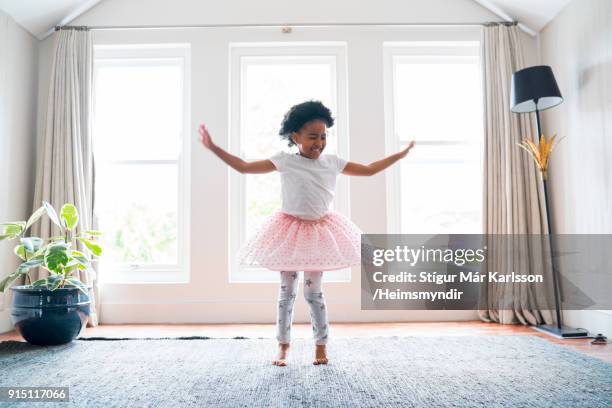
{"type": "Point", "coordinates": [549, 228]}
{"type": "Point", "coordinates": [534, 89]}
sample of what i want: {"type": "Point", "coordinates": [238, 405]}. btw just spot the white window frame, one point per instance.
{"type": "Point", "coordinates": [451, 51]}
{"type": "Point", "coordinates": [157, 273]}
{"type": "Point", "coordinates": [315, 51]}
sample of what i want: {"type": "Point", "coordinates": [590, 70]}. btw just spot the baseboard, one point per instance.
{"type": "Point", "coordinates": [234, 312]}
{"type": "Point", "coordinates": [595, 321]}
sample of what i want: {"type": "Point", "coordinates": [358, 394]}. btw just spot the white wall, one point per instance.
{"type": "Point", "coordinates": [18, 95]}
{"type": "Point", "coordinates": [210, 298]}
{"type": "Point", "coordinates": [577, 44]}
{"type": "Point", "coordinates": [186, 12]}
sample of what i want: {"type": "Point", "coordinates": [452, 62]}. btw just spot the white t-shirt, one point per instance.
{"type": "Point", "coordinates": [308, 185]}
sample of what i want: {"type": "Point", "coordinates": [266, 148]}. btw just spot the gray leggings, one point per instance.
{"type": "Point", "coordinates": [313, 295]}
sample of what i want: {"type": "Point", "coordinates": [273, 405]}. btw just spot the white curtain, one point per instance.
{"type": "Point", "coordinates": [65, 172]}
{"type": "Point", "coordinates": [513, 191]}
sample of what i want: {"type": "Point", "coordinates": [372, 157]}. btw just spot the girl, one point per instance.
{"type": "Point", "coordinates": [305, 235]}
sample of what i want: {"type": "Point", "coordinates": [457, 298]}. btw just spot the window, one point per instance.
{"type": "Point", "coordinates": [141, 155]}
{"type": "Point", "coordinates": [433, 95]}
{"type": "Point", "coordinates": [266, 80]}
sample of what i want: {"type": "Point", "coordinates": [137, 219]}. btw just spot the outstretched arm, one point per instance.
{"type": "Point", "coordinates": [235, 162]}
{"type": "Point", "coordinates": [358, 169]}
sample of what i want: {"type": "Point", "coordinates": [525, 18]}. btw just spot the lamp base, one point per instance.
{"type": "Point", "coordinates": [564, 332]}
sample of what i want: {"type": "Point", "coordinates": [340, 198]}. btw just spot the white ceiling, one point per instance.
{"type": "Point", "coordinates": [532, 14]}
{"type": "Point", "coordinates": [40, 16]}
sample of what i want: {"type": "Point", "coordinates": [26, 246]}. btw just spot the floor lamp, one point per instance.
{"type": "Point", "coordinates": [533, 90]}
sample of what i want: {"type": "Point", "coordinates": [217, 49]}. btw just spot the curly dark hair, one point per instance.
{"type": "Point", "coordinates": [301, 114]}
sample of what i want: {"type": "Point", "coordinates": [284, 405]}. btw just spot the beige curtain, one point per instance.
{"type": "Point", "coordinates": [65, 169]}
{"type": "Point", "coordinates": [513, 191]}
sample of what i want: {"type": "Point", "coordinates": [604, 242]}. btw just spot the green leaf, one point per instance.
{"type": "Point", "coordinates": [70, 216]}
{"type": "Point", "coordinates": [56, 283]}
{"type": "Point", "coordinates": [54, 277]}
{"type": "Point", "coordinates": [20, 251]}
{"type": "Point", "coordinates": [56, 256]}
{"type": "Point", "coordinates": [78, 284]}
{"type": "Point", "coordinates": [52, 214]}
{"type": "Point", "coordinates": [32, 263]}
{"type": "Point", "coordinates": [22, 269]}
{"type": "Point", "coordinates": [55, 280]}
{"type": "Point", "coordinates": [91, 245]}
{"type": "Point", "coordinates": [40, 254]}
{"type": "Point", "coordinates": [32, 244]}
{"type": "Point", "coordinates": [37, 214]}
{"type": "Point", "coordinates": [40, 282]}
{"type": "Point", "coordinates": [13, 229]}
{"type": "Point", "coordinates": [94, 233]}
{"type": "Point", "coordinates": [84, 263]}
{"type": "Point", "coordinates": [75, 253]}
{"type": "Point", "coordinates": [6, 282]}
{"type": "Point", "coordinates": [71, 267]}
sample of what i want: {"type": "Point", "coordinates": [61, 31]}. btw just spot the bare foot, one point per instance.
{"type": "Point", "coordinates": [320, 355]}
{"type": "Point", "coordinates": [281, 360]}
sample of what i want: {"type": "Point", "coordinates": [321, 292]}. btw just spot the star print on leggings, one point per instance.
{"type": "Point", "coordinates": [308, 282]}
{"type": "Point", "coordinates": [294, 275]}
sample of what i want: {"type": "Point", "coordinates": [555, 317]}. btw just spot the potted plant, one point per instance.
{"type": "Point", "coordinates": [53, 310]}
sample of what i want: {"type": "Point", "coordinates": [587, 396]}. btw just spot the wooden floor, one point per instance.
{"type": "Point", "coordinates": [475, 328]}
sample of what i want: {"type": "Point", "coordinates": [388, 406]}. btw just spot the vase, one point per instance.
{"type": "Point", "coordinates": [45, 317]}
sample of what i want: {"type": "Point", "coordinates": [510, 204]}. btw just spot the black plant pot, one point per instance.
{"type": "Point", "coordinates": [44, 317]}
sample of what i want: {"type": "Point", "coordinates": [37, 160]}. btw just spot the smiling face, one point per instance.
{"type": "Point", "coordinates": [311, 138]}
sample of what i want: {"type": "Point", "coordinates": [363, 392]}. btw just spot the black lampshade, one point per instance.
{"type": "Point", "coordinates": [534, 84]}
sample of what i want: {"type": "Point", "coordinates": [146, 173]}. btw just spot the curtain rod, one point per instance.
{"type": "Point", "coordinates": [146, 27]}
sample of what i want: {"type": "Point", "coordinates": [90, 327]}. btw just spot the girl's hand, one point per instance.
{"type": "Point", "coordinates": [407, 149]}
{"type": "Point", "coordinates": [205, 138]}
{"type": "Point", "coordinates": [357, 169]}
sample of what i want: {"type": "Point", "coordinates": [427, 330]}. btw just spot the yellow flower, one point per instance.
{"type": "Point", "coordinates": [540, 153]}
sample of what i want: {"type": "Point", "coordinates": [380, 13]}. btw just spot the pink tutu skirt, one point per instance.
{"type": "Point", "coordinates": [288, 243]}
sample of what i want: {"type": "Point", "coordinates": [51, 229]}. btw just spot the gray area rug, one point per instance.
{"type": "Point", "coordinates": [466, 371]}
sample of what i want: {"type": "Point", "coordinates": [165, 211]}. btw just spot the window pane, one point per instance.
{"type": "Point", "coordinates": [138, 109]}
{"type": "Point", "coordinates": [441, 190]}
{"type": "Point", "coordinates": [137, 210]}
{"type": "Point", "coordinates": [263, 198]}
{"type": "Point", "coordinates": [437, 101]}
{"type": "Point", "coordinates": [271, 86]}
